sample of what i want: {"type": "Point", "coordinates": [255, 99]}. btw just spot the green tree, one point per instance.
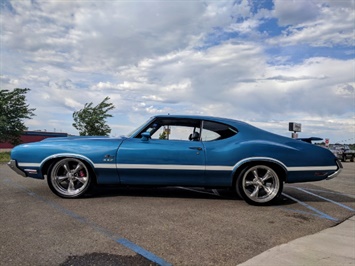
{"type": "Point", "coordinates": [163, 135]}
{"type": "Point", "coordinates": [91, 120]}
{"type": "Point", "coordinates": [13, 109]}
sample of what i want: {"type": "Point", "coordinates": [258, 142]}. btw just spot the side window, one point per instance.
{"type": "Point", "coordinates": [173, 132]}
{"type": "Point", "coordinates": [216, 131]}
{"type": "Point", "coordinates": [174, 129]}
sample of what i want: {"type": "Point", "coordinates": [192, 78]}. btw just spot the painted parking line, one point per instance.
{"type": "Point", "coordinates": [198, 191]}
{"type": "Point", "coordinates": [317, 212]}
{"type": "Point", "coordinates": [150, 256]}
{"type": "Point", "coordinates": [326, 199]}
{"type": "Point", "coordinates": [314, 211]}
{"type": "Point", "coordinates": [332, 192]}
{"type": "Point", "coordinates": [103, 231]}
{"type": "Point", "coordinates": [215, 191]}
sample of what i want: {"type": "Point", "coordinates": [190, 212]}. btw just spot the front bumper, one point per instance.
{"type": "Point", "coordinates": [337, 172]}
{"type": "Point", "coordinates": [13, 165]}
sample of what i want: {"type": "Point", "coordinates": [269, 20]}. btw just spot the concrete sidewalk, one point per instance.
{"type": "Point", "coordinates": [331, 247]}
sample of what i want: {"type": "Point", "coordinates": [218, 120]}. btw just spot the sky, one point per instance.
{"type": "Point", "coordinates": [265, 62]}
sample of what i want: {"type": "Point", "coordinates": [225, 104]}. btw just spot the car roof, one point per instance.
{"type": "Point", "coordinates": [239, 125]}
{"type": "Point", "coordinates": [201, 117]}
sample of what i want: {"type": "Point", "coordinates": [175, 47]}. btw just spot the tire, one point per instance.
{"type": "Point", "coordinates": [259, 185]}
{"type": "Point", "coordinates": [69, 178]}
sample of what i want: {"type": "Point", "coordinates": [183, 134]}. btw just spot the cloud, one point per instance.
{"type": "Point", "coordinates": [315, 23]}
{"type": "Point", "coordinates": [90, 36]}
{"type": "Point", "coordinates": [295, 12]}
{"type": "Point", "coordinates": [238, 74]}
{"type": "Point", "coordinates": [265, 62]}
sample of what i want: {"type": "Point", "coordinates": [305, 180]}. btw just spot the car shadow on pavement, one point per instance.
{"type": "Point", "coordinates": [176, 192]}
{"type": "Point", "coordinates": [107, 259]}
{"type": "Point", "coordinates": [164, 192]}
{"type": "Point", "coordinates": [310, 193]}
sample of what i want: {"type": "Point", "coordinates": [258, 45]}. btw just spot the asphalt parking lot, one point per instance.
{"type": "Point", "coordinates": [160, 226]}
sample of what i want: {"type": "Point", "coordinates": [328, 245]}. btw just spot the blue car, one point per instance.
{"type": "Point", "coordinates": [194, 151]}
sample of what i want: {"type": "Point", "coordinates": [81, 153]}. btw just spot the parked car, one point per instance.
{"type": "Point", "coordinates": [343, 152]}
{"type": "Point", "coordinates": [195, 151]}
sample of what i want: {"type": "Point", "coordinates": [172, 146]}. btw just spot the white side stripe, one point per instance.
{"type": "Point", "coordinates": [202, 167]}
{"type": "Point", "coordinates": [161, 166]}
{"type": "Point", "coordinates": [29, 164]}
{"type": "Point", "coordinates": [312, 168]}
{"type": "Point", "coordinates": [188, 167]}
{"type": "Point", "coordinates": [218, 168]}
{"type": "Point", "coordinates": [105, 165]}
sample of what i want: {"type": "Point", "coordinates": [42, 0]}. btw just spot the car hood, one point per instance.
{"type": "Point", "coordinates": [64, 143]}
{"type": "Point", "coordinates": [80, 138]}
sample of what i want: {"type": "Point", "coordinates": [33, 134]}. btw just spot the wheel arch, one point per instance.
{"type": "Point", "coordinates": [276, 165]}
{"type": "Point", "coordinates": [47, 162]}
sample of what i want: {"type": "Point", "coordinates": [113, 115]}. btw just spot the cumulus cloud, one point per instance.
{"type": "Point", "coordinates": [295, 12]}
{"type": "Point", "coordinates": [318, 23]}
{"type": "Point", "coordinates": [199, 57]}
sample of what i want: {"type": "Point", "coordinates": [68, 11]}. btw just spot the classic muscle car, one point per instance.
{"type": "Point", "coordinates": [195, 151]}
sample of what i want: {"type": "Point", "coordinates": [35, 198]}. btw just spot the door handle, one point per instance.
{"type": "Point", "coordinates": [196, 148]}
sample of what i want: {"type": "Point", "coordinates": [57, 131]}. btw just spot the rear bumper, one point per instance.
{"type": "Point", "coordinates": [13, 165]}
{"type": "Point", "coordinates": [337, 172]}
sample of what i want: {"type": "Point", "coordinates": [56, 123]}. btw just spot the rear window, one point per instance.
{"type": "Point", "coordinates": [217, 131]}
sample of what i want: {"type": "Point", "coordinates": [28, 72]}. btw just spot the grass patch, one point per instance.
{"type": "Point", "coordinates": [4, 156]}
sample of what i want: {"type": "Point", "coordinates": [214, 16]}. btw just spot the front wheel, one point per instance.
{"type": "Point", "coordinates": [259, 185]}
{"type": "Point", "coordinates": [69, 178]}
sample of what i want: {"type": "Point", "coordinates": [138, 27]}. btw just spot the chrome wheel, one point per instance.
{"type": "Point", "coordinates": [69, 178]}
{"type": "Point", "coordinates": [259, 184]}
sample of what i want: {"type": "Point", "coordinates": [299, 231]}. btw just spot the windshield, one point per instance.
{"type": "Point", "coordinates": [137, 130]}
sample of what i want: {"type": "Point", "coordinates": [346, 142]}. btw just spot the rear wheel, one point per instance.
{"type": "Point", "coordinates": [259, 185]}
{"type": "Point", "coordinates": [69, 178]}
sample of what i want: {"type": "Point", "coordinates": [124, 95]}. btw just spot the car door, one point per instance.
{"type": "Point", "coordinates": [161, 162]}
{"type": "Point", "coordinates": [220, 152]}
{"type": "Point", "coordinates": [168, 151]}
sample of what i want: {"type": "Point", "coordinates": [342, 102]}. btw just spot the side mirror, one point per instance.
{"type": "Point", "coordinates": [145, 136]}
